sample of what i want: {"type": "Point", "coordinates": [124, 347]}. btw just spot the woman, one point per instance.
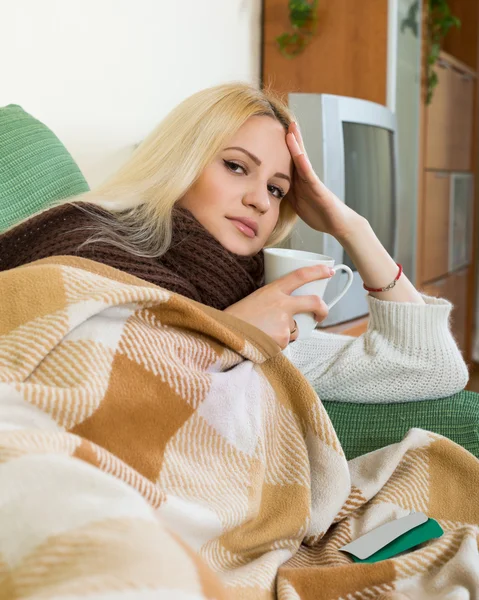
{"type": "Point", "coordinates": [224, 175]}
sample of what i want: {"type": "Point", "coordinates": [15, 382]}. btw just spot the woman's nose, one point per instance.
{"type": "Point", "coordinates": [259, 199]}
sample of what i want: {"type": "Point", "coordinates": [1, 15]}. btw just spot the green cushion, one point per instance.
{"type": "Point", "coordinates": [35, 167]}
{"type": "Point", "coordinates": [362, 428]}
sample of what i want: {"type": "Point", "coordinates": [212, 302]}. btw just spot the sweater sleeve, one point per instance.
{"type": "Point", "coordinates": [407, 353]}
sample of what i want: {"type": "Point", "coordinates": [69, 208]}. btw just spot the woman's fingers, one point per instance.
{"type": "Point", "coordinates": [294, 128]}
{"type": "Point", "coordinates": [271, 308]}
{"type": "Point", "coordinates": [310, 304]}
{"type": "Point", "coordinates": [295, 148]}
{"type": "Point", "coordinates": [293, 332]}
{"type": "Point", "coordinates": [304, 168]}
{"type": "Point", "coordinates": [292, 281]}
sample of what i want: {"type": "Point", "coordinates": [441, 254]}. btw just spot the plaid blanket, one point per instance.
{"type": "Point", "coordinates": [153, 447]}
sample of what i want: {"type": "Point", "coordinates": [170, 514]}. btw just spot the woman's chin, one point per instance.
{"type": "Point", "coordinates": [246, 248]}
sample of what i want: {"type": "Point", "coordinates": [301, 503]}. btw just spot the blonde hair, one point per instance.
{"type": "Point", "coordinates": [165, 165]}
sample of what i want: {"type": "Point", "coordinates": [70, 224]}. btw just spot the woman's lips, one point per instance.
{"type": "Point", "coordinates": [244, 228]}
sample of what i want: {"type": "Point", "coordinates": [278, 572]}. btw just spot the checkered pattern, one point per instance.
{"type": "Point", "coordinates": [154, 447]}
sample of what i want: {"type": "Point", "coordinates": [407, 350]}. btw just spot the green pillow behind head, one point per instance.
{"type": "Point", "coordinates": [35, 167]}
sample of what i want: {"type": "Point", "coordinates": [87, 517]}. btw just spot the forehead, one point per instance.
{"type": "Point", "coordinates": [264, 137]}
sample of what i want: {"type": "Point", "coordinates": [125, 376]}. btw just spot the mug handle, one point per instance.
{"type": "Point", "coordinates": [346, 287]}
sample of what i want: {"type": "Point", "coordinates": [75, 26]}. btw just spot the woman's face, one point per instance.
{"type": "Point", "coordinates": [247, 179]}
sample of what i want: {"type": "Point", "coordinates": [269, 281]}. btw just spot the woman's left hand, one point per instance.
{"type": "Point", "coordinates": [314, 203]}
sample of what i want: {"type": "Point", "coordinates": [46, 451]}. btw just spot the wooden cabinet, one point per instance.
{"type": "Point", "coordinates": [348, 56]}
{"type": "Point", "coordinates": [446, 212]}
{"type": "Point", "coordinates": [435, 226]}
{"type": "Point", "coordinates": [458, 297]}
{"type": "Point", "coordinates": [449, 117]}
{"type": "Point", "coordinates": [463, 121]}
{"type": "Point", "coordinates": [454, 288]}
{"type": "Point", "coordinates": [438, 121]}
{"type": "Point", "coordinates": [461, 42]}
{"type": "Point", "coordinates": [438, 289]}
{"type": "Point", "coordinates": [447, 226]}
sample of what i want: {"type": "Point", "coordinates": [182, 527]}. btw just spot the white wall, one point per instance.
{"type": "Point", "coordinates": [102, 73]}
{"type": "Point", "coordinates": [404, 100]}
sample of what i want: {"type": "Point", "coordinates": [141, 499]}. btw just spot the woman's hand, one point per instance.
{"type": "Point", "coordinates": [271, 308]}
{"type": "Point", "coordinates": [314, 203]}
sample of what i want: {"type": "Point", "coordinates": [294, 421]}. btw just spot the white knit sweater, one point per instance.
{"type": "Point", "coordinates": [407, 353]}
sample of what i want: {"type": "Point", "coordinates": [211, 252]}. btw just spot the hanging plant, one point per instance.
{"type": "Point", "coordinates": [303, 18]}
{"type": "Point", "coordinates": [440, 21]}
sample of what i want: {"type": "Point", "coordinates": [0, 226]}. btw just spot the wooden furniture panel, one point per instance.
{"type": "Point", "coordinates": [438, 289]}
{"type": "Point", "coordinates": [435, 225]}
{"type": "Point", "coordinates": [347, 56]}
{"type": "Point", "coordinates": [462, 42]}
{"type": "Point", "coordinates": [462, 121]}
{"type": "Point", "coordinates": [450, 118]}
{"type": "Point", "coordinates": [458, 296]}
{"type": "Point", "coordinates": [472, 296]}
{"type": "Point", "coordinates": [439, 124]}
{"type": "Point", "coordinates": [455, 289]}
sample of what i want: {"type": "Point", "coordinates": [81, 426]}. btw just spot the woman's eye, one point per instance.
{"type": "Point", "coordinates": [232, 165]}
{"type": "Point", "coordinates": [280, 192]}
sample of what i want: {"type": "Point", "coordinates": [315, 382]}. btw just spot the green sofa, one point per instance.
{"type": "Point", "coordinates": [363, 428]}
{"type": "Point", "coordinates": [36, 169]}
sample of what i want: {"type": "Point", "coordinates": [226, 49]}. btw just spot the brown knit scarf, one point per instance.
{"type": "Point", "coordinates": [196, 265]}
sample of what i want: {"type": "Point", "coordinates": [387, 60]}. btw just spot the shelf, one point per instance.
{"type": "Point", "coordinates": [457, 64]}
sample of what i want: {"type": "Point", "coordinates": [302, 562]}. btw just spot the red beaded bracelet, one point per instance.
{"type": "Point", "coordinates": [388, 287]}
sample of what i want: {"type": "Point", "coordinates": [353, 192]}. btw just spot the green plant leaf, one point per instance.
{"type": "Point", "coordinates": [440, 22]}
{"type": "Point", "coordinates": [303, 19]}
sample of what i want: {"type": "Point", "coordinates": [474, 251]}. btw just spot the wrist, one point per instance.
{"type": "Point", "coordinates": [356, 230]}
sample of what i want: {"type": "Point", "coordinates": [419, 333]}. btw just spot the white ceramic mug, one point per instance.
{"type": "Point", "coordinates": [282, 261]}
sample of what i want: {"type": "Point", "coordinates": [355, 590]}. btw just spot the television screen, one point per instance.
{"type": "Point", "coordinates": [369, 179]}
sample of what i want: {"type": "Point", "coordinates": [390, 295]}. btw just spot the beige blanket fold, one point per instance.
{"type": "Point", "coordinates": [153, 447]}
